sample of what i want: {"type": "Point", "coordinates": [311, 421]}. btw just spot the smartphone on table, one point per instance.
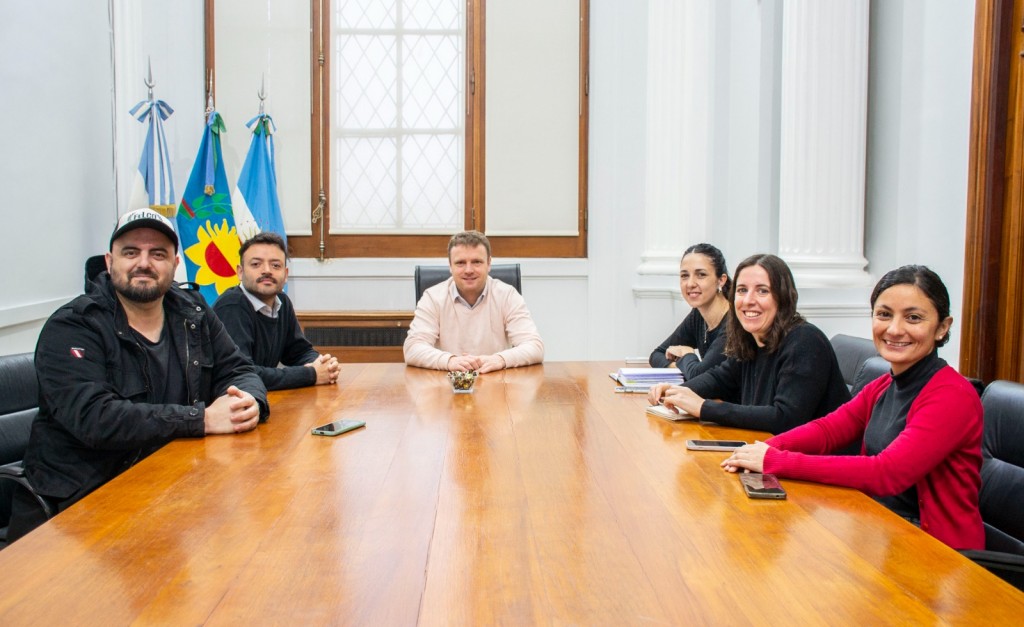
{"type": "Point", "coordinates": [761, 486]}
{"type": "Point", "coordinates": [338, 427]}
{"type": "Point", "coordinates": [714, 445]}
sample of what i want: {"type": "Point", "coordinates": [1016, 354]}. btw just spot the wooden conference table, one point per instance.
{"type": "Point", "coordinates": [542, 498]}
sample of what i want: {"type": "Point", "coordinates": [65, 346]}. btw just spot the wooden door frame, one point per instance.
{"type": "Point", "coordinates": [986, 189]}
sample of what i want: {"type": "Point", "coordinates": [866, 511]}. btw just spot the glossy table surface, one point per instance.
{"type": "Point", "coordinates": [542, 498]}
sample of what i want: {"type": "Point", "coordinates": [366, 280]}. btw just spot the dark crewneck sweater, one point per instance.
{"type": "Point", "coordinates": [269, 341]}
{"type": "Point", "coordinates": [693, 331]}
{"type": "Point", "coordinates": [775, 391]}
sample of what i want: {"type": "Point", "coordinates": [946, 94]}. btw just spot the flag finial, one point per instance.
{"type": "Point", "coordinates": [209, 91]}
{"type": "Point", "coordinates": [262, 93]}
{"type": "Point", "coordinates": [149, 79]}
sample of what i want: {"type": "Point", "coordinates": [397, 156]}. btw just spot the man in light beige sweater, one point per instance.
{"type": "Point", "coordinates": [472, 321]}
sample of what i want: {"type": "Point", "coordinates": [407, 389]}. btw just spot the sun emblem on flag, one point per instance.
{"type": "Point", "coordinates": [215, 255]}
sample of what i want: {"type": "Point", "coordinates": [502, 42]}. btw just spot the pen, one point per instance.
{"type": "Point", "coordinates": [631, 390]}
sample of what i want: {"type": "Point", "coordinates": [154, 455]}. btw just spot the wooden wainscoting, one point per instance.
{"type": "Point", "coordinates": [357, 336]}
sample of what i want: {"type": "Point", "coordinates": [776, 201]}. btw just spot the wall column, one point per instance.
{"type": "Point", "coordinates": [679, 97]}
{"type": "Point", "coordinates": [823, 141]}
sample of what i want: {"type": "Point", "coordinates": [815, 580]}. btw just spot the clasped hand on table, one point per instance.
{"type": "Point", "coordinates": [478, 363]}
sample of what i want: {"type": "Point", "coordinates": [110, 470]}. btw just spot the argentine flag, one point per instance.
{"type": "Point", "coordinates": [154, 184]}
{"type": "Point", "coordinates": [254, 200]}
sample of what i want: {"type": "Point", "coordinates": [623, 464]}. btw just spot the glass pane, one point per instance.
{"type": "Point", "coordinates": [365, 182]}
{"type": "Point", "coordinates": [431, 80]}
{"type": "Point", "coordinates": [398, 115]}
{"type": "Point", "coordinates": [375, 14]}
{"type": "Point", "coordinates": [366, 82]}
{"type": "Point", "coordinates": [432, 182]}
{"type": "Point", "coordinates": [433, 14]}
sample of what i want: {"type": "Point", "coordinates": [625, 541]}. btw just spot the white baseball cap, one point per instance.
{"type": "Point", "coordinates": [144, 218]}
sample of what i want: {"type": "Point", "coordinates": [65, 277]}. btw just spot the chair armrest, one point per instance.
{"type": "Point", "coordinates": [1008, 566]}
{"type": "Point", "coordinates": [15, 471]}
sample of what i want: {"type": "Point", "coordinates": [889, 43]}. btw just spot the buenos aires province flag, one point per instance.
{"type": "Point", "coordinates": [206, 223]}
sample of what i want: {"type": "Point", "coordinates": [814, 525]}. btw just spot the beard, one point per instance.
{"type": "Point", "coordinates": [256, 288]}
{"type": "Point", "coordinates": [123, 286]}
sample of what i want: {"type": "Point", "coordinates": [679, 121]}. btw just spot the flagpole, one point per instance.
{"type": "Point", "coordinates": [206, 222]}
{"type": "Point", "coordinates": [318, 212]}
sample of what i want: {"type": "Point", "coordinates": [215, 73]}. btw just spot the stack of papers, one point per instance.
{"type": "Point", "coordinates": [646, 377]}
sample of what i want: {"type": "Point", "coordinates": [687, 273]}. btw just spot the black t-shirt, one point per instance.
{"type": "Point", "coordinates": [164, 373]}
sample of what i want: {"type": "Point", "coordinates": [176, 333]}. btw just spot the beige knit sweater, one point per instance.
{"type": "Point", "coordinates": [499, 324]}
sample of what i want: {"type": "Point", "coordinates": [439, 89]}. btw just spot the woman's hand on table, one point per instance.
{"type": "Point", "coordinates": [749, 457]}
{"type": "Point", "coordinates": [683, 399]}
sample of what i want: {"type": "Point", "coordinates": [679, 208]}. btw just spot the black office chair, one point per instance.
{"type": "Point", "coordinates": [1002, 482]}
{"type": "Point", "coordinates": [871, 369]}
{"type": "Point", "coordinates": [429, 276]}
{"type": "Point", "coordinates": [93, 266]}
{"type": "Point", "coordinates": [19, 404]}
{"type": "Point", "coordinates": [851, 352]}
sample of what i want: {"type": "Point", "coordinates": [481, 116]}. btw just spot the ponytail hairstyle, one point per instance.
{"type": "Point", "coordinates": [717, 260]}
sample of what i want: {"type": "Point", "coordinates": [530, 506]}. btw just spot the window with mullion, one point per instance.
{"type": "Point", "coordinates": [398, 130]}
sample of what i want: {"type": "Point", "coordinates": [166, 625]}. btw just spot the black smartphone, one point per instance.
{"type": "Point", "coordinates": [338, 427]}
{"type": "Point", "coordinates": [714, 445]}
{"type": "Point", "coordinates": [760, 486]}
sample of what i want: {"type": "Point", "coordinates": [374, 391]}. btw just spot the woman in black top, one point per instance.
{"type": "Point", "coordinates": [698, 342]}
{"type": "Point", "coordinates": [780, 370]}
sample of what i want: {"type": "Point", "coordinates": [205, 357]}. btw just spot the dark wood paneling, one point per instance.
{"type": "Point", "coordinates": [980, 332]}
{"type": "Point", "coordinates": [354, 321]}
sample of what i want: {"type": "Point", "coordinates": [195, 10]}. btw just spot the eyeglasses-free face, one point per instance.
{"type": "Point", "coordinates": [906, 326]}
{"type": "Point", "coordinates": [697, 280]}
{"type": "Point", "coordinates": [755, 304]}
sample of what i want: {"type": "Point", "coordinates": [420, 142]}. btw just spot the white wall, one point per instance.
{"type": "Point", "coordinates": [618, 86]}
{"type": "Point", "coordinates": [919, 112]}
{"type": "Point", "coordinates": [168, 35]}
{"type": "Point", "coordinates": [919, 128]}
{"type": "Point", "coordinates": [55, 64]}
{"type": "Point", "coordinates": [56, 162]}
{"type": "Point", "coordinates": [60, 103]}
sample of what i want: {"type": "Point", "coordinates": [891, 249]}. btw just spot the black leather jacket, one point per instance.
{"type": "Point", "coordinates": [97, 415]}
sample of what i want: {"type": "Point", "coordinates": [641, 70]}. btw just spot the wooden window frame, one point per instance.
{"type": "Point", "coordinates": [321, 244]}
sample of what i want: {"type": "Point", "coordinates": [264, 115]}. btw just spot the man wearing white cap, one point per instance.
{"type": "Point", "coordinates": [123, 369]}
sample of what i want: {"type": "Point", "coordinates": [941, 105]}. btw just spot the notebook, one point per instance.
{"type": "Point", "coordinates": [669, 414]}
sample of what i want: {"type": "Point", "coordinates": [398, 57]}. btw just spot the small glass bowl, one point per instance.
{"type": "Point", "coordinates": [462, 382]}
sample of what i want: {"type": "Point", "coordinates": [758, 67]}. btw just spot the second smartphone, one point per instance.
{"type": "Point", "coordinates": [761, 486]}
{"type": "Point", "coordinates": [338, 427]}
{"type": "Point", "coordinates": [714, 445]}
